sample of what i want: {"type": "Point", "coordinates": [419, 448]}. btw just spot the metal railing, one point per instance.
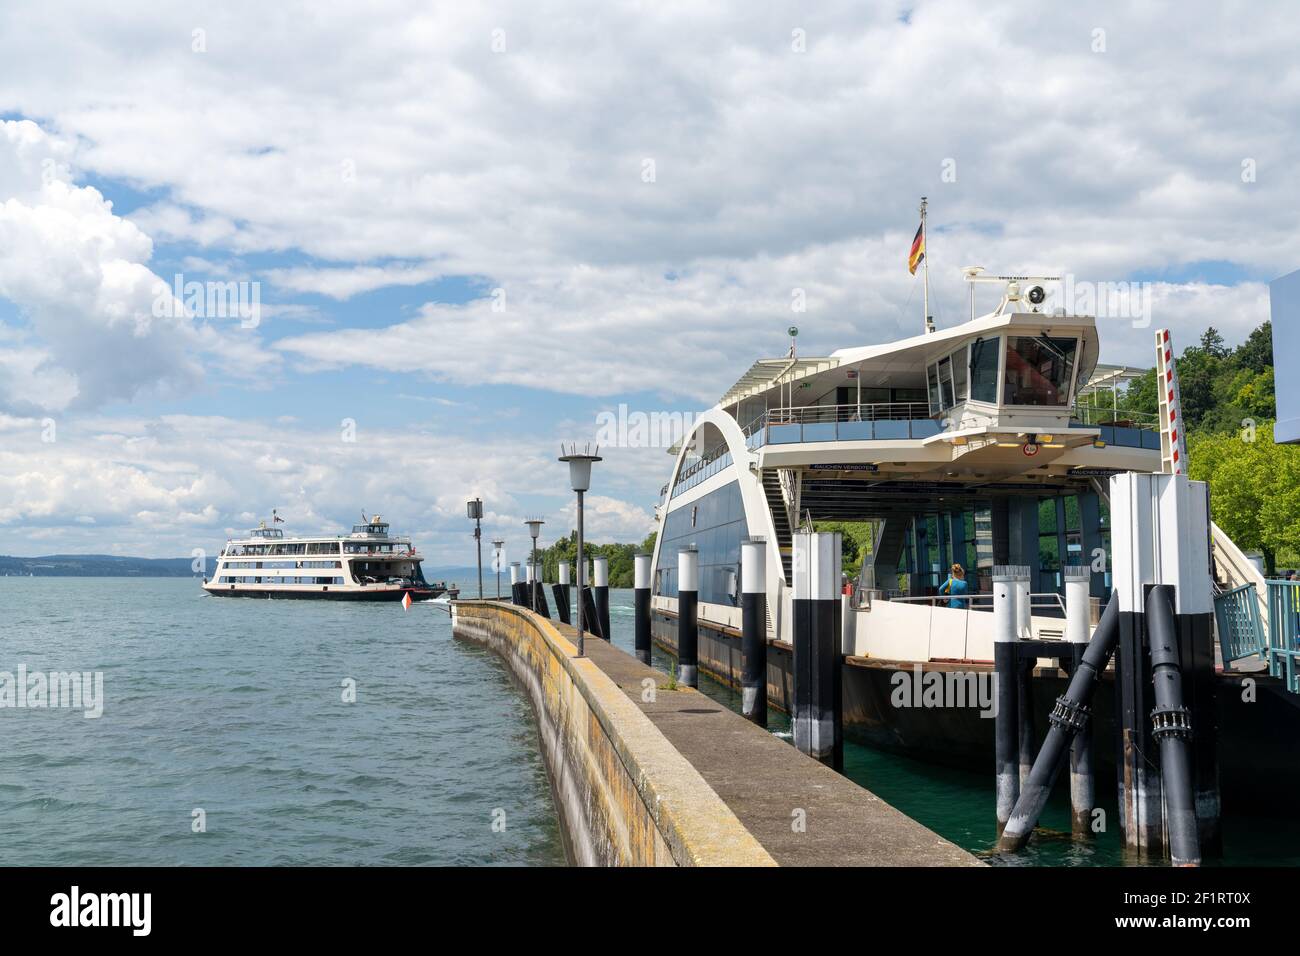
{"type": "Point", "coordinates": [1241, 633]}
{"type": "Point", "coordinates": [1284, 631]}
{"type": "Point", "coordinates": [1122, 417]}
{"type": "Point", "coordinates": [817, 414]}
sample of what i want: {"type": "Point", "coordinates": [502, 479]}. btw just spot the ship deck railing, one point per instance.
{"type": "Point", "coordinates": [903, 421]}
{"type": "Point", "coordinates": [1283, 631]}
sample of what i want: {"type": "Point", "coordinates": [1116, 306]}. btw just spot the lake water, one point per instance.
{"type": "Point", "coordinates": [235, 707]}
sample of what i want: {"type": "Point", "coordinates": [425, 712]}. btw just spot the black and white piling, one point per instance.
{"type": "Point", "coordinates": [540, 604]}
{"type": "Point", "coordinates": [641, 606]}
{"type": "Point", "coordinates": [1070, 717]}
{"type": "Point", "coordinates": [530, 586]}
{"type": "Point", "coordinates": [818, 660]}
{"type": "Point", "coordinates": [753, 630]}
{"type": "Point", "coordinates": [688, 625]}
{"type": "Point", "coordinates": [516, 591]}
{"type": "Point", "coordinates": [600, 590]}
{"type": "Point", "coordinates": [1006, 667]}
{"type": "Point", "coordinates": [561, 592]}
{"type": "Point", "coordinates": [1078, 624]}
{"type": "Point", "coordinates": [589, 613]}
{"type": "Point", "coordinates": [1165, 679]}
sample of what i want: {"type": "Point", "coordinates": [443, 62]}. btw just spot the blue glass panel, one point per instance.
{"type": "Point", "coordinates": [889, 430]}
{"type": "Point", "coordinates": [1128, 437]}
{"type": "Point", "coordinates": [717, 532]}
{"type": "Point", "coordinates": [819, 431]}
{"type": "Point", "coordinates": [784, 434]}
{"type": "Point", "coordinates": [1151, 440]}
{"type": "Point", "coordinates": [855, 431]}
{"type": "Point", "coordinates": [925, 427]}
{"type": "Point", "coordinates": [1108, 434]}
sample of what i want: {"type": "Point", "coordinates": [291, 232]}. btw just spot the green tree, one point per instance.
{"type": "Point", "coordinates": [1254, 488]}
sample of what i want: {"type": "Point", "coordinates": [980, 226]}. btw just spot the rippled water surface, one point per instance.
{"type": "Point", "coordinates": [234, 706]}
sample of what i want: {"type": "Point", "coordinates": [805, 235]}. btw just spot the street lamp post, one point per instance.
{"type": "Point", "coordinates": [496, 562]}
{"type": "Point", "coordinates": [475, 510]}
{"type": "Point", "coordinates": [580, 480]}
{"type": "Point", "coordinates": [534, 529]}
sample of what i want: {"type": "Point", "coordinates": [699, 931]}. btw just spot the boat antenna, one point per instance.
{"type": "Point", "coordinates": [925, 261]}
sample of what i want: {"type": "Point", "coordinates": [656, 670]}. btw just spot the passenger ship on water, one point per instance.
{"type": "Point", "coordinates": [985, 444]}
{"type": "Point", "coordinates": [370, 564]}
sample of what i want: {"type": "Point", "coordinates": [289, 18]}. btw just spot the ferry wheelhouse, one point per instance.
{"type": "Point", "coordinates": [370, 564]}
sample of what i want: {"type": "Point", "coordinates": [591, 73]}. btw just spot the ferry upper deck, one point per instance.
{"type": "Point", "coordinates": [982, 444]}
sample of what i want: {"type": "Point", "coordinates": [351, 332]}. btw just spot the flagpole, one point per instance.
{"type": "Point", "coordinates": [925, 261]}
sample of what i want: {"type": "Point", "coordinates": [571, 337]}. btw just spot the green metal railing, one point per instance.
{"type": "Point", "coordinates": [1284, 631]}
{"type": "Point", "coordinates": [1241, 632]}
{"type": "Point", "coordinates": [1087, 414]}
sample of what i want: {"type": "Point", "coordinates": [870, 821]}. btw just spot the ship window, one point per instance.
{"type": "Point", "coordinates": [959, 370]}
{"type": "Point", "coordinates": [1039, 370]}
{"type": "Point", "coordinates": [945, 383]}
{"type": "Point", "coordinates": [984, 370]}
{"type": "Point", "coordinates": [932, 377]}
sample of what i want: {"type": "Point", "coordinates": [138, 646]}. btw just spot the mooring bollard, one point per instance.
{"type": "Point", "coordinates": [541, 605]}
{"type": "Point", "coordinates": [818, 662]}
{"type": "Point", "coordinates": [561, 592]}
{"type": "Point", "coordinates": [753, 630]}
{"type": "Point", "coordinates": [600, 586]}
{"type": "Point", "coordinates": [515, 592]}
{"type": "Point", "coordinates": [641, 605]}
{"type": "Point", "coordinates": [688, 626]}
{"type": "Point", "coordinates": [1083, 788]}
{"type": "Point", "coordinates": [1006, 666]}
{"type": "Point", "coordinates": [530, 586]}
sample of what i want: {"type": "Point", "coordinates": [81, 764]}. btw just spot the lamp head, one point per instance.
{"type": "Point", "coordinates": [580, 465]}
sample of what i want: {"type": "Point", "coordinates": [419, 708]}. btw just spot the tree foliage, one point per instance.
{"type": "Point", "coordinates": [621, 558]}
{"type": "Point", "coordinates": [1221, 387]}
{"type": "Point", "coordinates": [1254, 488]}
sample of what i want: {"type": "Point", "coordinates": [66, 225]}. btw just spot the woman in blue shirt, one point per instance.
{"type": "Point", "coordinates": [955, 585]}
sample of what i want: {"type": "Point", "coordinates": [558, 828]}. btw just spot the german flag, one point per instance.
{"type": "Point", "coordinates": [918, 250]}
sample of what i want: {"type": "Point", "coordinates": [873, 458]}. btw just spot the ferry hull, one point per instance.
{"type": "Point", "coordinates": [393, 595]}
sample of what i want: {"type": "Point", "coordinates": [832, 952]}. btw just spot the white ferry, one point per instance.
{"type": "Point", "coordinates": [370, 564]}
{"type": "Point", "coordinates": [982, 444]}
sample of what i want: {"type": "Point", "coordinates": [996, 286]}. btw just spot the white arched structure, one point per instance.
{"type": "Point", "coordinates": [708, 431]}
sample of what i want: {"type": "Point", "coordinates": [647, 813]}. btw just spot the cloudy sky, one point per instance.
{"type": "Point", "coordinates": [475, 227]}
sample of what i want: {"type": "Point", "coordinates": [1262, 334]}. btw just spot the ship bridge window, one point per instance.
{"type": "Point", "coordinates": [1039, 370]}
{"type": "Point", "coordinates": [946, 379]}
{"type": "Point", "coordinates": [984, 357]}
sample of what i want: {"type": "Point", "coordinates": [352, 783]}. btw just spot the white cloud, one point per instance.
{"type": "Point", "coordinates": [77, 271]}
{"type": "Point", "coordinates": [398, 148]}
{"type": "Point", "coordinates": [160, 487]}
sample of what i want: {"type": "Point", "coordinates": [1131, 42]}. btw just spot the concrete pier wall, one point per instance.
{"type": "Point", "coordinates": [624, 794]}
